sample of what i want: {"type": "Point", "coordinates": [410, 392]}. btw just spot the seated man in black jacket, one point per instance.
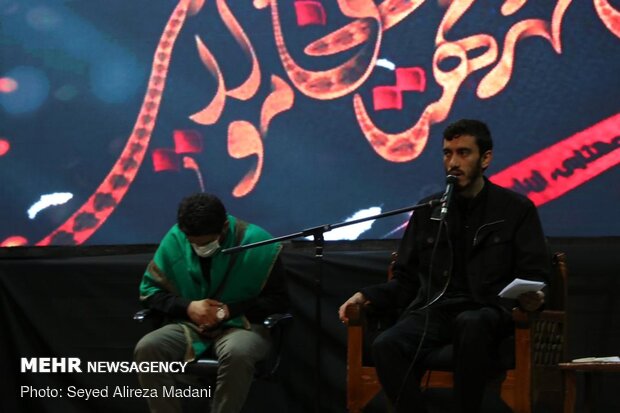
{"type": "Point", "coordinates": [448, 275]}
{"type": "Point", "coordinates": [213, 302]}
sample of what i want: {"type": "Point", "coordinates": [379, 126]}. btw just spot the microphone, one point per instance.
{"type": "Point", "coordinates": [447, 196]}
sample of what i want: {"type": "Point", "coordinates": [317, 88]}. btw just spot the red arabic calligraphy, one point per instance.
{"type": "Point", "coordinates": [366, 25]}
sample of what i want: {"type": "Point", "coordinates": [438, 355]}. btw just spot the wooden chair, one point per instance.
{"type": "Point", "coordinates": [539, 345]}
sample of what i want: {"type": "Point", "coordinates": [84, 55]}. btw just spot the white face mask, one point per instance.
{"type": "Point", "coordinates": [206, 250]}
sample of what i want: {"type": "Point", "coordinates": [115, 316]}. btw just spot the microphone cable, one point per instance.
{"type": "Point", "coordinates": [429, 303]}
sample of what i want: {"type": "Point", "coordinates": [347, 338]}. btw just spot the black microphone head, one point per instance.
{"type": "Point", "coordinates": [451, 179]}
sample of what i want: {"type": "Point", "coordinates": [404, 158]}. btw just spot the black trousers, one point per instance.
{"type": "Point", "coordinates": [474, 331]}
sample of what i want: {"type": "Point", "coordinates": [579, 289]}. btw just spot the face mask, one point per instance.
{"type": "Point", "coordinates": [206, 250]}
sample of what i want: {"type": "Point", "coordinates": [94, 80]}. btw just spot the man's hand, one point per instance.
{"type": "Point", "coordinates": [203, 313]}
{"type": "Point", "coordinates": [532, 300]}
{"type": "Point", "coordinates": [357, 298]}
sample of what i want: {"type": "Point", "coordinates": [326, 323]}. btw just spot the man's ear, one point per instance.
{"type": "Point", "coordinates": [224, 231]}
{"type": "Point", "coordinates": [486, 159]}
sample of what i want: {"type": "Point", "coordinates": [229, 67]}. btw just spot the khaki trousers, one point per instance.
{"type": "Point", "coordinates": [237, 350]}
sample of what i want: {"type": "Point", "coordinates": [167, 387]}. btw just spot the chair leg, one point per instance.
{"type": "Point", "coordinates": [569, 391]}
{"type": "Point", "coordinates": [523, 371]}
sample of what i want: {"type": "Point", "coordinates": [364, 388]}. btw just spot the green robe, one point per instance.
{"type": "Point", "coordinates": [176, 268]}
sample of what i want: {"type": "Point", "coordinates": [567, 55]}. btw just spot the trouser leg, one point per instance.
{"type": "Point", "coordinates": [476, 339]}
{"type": "Point", "coordinates": [394, 351]}
{"type": "Point", "coordinates": [167, 343]}
{"type": "Point", "coordinates": [238, 351]}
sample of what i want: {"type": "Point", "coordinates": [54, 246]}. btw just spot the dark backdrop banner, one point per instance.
{"type": "Point", "coordinates": [79, 302]}
{"type": "Point", "coordinates": [297, 113]}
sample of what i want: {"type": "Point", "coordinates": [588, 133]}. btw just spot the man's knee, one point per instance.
{"type": "Point", "coordinates": [479, 320]}
{"type": "Point", "coordinates": [477, 331]}
{"type": "Point", "coordinates": [386, 344]}
{"type": "Point", "coordinates": [146, 349]}
{"type": "Point", "coordinates": [243, 350]}
{"type": "Point", "coordinates": [238, 356]}
{"type": "Point", "coordinates": [159, 345]}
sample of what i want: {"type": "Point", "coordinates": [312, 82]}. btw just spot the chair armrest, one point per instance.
{"type": "Point", "coordinates": [142, 315]}
{"type": "Point", "coordinates": [153, 318]}
{"type": "Point", "coordinates": [203, 367]}
{"type": "Point", "coordinates": [269, 322]}
{"type": "Point", "coordinates": [540, 337]}
{"type": "Point", "coordinates": [355, 314]}
{"type": "Point", "coordinates": [280, 320]}
{"type": "Point", "coordinates": [524, 318]}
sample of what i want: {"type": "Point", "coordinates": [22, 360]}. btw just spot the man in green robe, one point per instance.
{"type": "Point", "coordinates": [213, 302]}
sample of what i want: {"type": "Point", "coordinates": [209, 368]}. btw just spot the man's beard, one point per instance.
{"type": "Point", "coordinates": [470, 178]}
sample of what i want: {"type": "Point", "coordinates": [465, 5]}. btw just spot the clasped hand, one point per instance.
{"type": "Point", "coordinates": [203, 313]}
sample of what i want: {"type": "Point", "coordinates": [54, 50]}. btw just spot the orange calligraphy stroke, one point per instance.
{"type": "Point", "coordinates": [496, 80]}
{"type": "Point", "coordinates": [249, 87]}
{"type": "Point", "coordinates": [279, 100]}
{"type": "Point", "coordinates": [261, 4]}
{"type": "Point", "coordinates": [244, 141]}
{"type": "Point", "coordinates": [512, 6]}
{"type": "Point", "coordinates": [342, 80]}
{"type": "Point", "coordinates": [454, 13]}
{"type": "Point", "coordinates": [212, 112]}
{"type": "Point", "coordinates": [609, 15]}
{"type": "Point", "coordinates": [391, 13]}
{"type": "Point", "coordinates": [190, 163]}
{"type": "Point", "coordinates": [195, 6]}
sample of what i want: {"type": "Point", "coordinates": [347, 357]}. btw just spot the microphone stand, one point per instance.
{"type": "Point", "coordinates": [319, 243]}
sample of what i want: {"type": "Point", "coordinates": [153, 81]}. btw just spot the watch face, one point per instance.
{"type": "Point", "coordinates": [220, 314]}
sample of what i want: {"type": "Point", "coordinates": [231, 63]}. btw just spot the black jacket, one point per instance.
{"type": "Point", "coordinates": [504, 241]}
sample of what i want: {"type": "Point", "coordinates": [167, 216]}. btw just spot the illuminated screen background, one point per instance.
{"type": "Point", "coordinates": [297, 113]}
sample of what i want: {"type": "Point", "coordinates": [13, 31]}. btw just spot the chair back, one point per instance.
{"type": "Point", "coordinates": [549, 333]}
{"type": "Point", "coordinates": [558, 287]}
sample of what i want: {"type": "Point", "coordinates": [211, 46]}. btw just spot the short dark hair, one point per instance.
{"type": "Point", "coordinates": [201, 214]}
{"type": "Point", "coordinates": [475, 128]}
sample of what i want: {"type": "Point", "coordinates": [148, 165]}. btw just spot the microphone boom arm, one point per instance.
{"type": "Point", "coordinates": [321, 229]}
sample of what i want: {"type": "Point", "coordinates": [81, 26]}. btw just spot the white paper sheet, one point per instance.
{"type": "Point", "coordinates": [519, 286]}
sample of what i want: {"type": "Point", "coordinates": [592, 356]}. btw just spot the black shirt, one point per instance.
{"type": "Point", "coordinates": [467, 216]}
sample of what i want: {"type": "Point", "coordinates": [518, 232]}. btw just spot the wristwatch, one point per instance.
{"type": "Point", "coordinates": [220, 314]}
